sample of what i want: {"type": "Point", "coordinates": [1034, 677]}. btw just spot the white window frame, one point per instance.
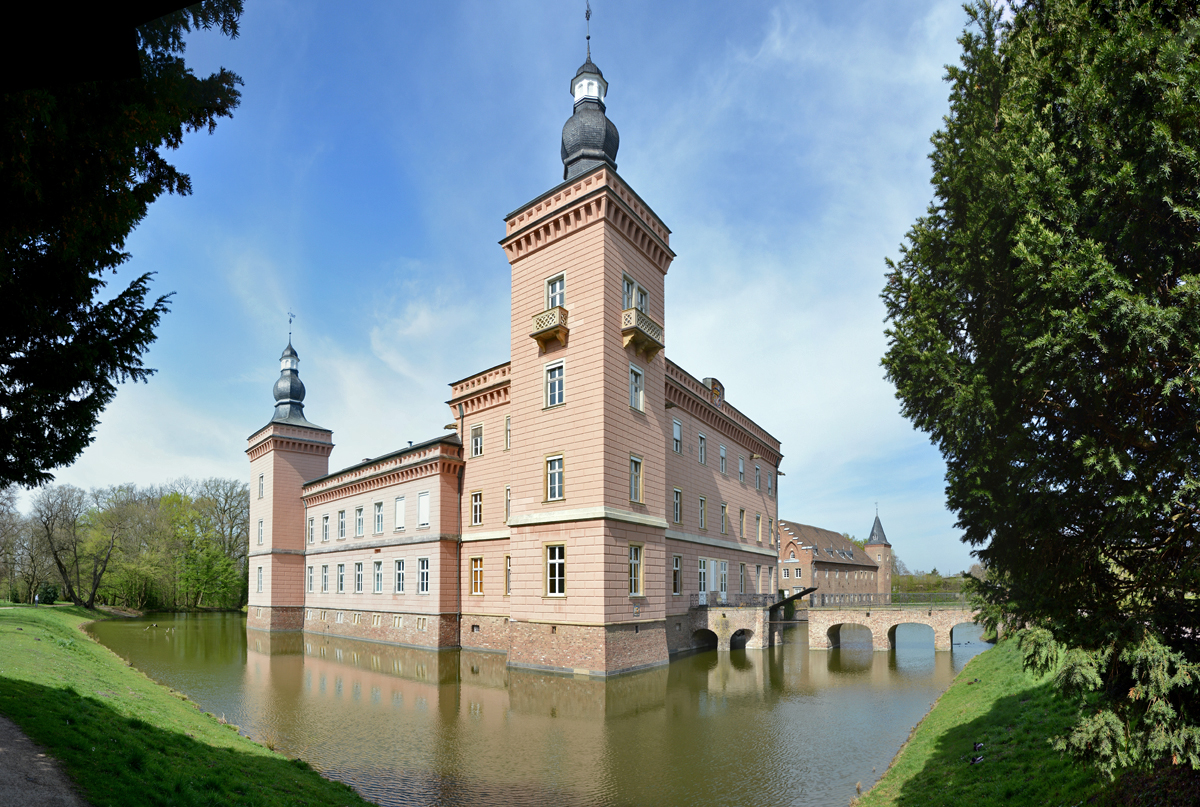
{"type": "Point", "coordinates": [399, 568]}
{"type": "Point", "coordinates": [310, 579]}
{"type": "Point", "coordinates": [476, 508]}
{"type": "Point", "coordinates": [677, 575]}
{"type": "Point", "coordinates": [722, 459]}
{"type": "Point", "coordinates": [260, 532]}
{"type": "Point", "coordinates": [552, 293]}
{"type": "Point", "coordinates": [757, 477]}
{"type": "Point", "coordinates": [477, 576]}
{"type": "Point", "coordinates": [635, 570]}
{"type": "Point", "coordinates": [260, 580]}
{"type": "Point", "coordinates": [702, 449]}
{"type": "Point", "coordinates": [556, 570]}
{"type": "Point", "coordinates": [378, 518]}
{"type": "Point", "coordinates": [477, 440]}
{"type": "Point", "coordinates": [555, 478]}
{"type": "Point", "coordinates": [341, 524]}
{"type": "Point", "coordinates": [724, 518]}
{"type": "Point", "coordinates": [637, 388]}
{"type": "Point", "coordinates": [359, 522]}
{"type": "Point", "coordinates": [741, 578]}
{"type": "Point", "coordinates": [260, 486]}
{"type": "Point", "coordinates": [628, 292]}
{"type": "Point", "coordinates": [324, 528]}
{"type": "Point", "coordinates": [637, 480]}
{"type": "Point", "coordinates": [724, 581]}
{"type": "Point", "coordinates": [677, 509]}
{"type": "Point", "coordinates": [507, 432]}
{"type": "Point", "coordinates": [702, 574]}
{"type": "Point", "coordinates": [507, 503]}
{"type": "Point", "coordinates": [758, 527]}
{"type": "Point", "coordinates": [703, 513]}
{"type": "Point", "coordinates": [554, 396]}
{"type": "Point", "coordinates": [770, 484]}
{"type": "Point", "coordinates": [399, 514]}
{"type": "Point", "coordinates": [507, 575]}
{"type": "Point", "coordinates": [422, 575]}
{"type": "Point", "coordinates": [312, 529]}
{"type": "Point", "coordinates": [742, 469]}
{"type": "Point", "coordinates": [423, 500]}
{"type": "Point", "coordinates": [358, 577]}
{"type": "Point", "coordinates": [676, 436]}
{"type": "Point", "coordinates": [378, 571]}
{"type": "Point", "coordinates": [324, 578]}
{"type": "Point", "coordinates": [341, 578]}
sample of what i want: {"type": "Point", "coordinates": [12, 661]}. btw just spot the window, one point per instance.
{"type": "Point", "coordinates": [758, 527]}
{"type": "Point", "coordinates": [358, 521]}
{"type": "Point", "coordinates": [554, 384]}
{"type": "Point", "coordinates": [677, 437]}
{"type": "Point", "coordinates": [741, 578]}
{"type": "Point", "coordinates": [637, 383]}
{"type": "Point", "coordinates": [310, 578]}
{"type": "Point", "coordinates": [422, 510]}
{"type": "Point", "coordinates": [677, 574]}
{"type": "Point", "coordinates": [324, 528]}
{"type": "Point", "coordinates": [722, 459]}
{"type": "Point", "coordinates": [757, 478]}
{"type": "Point", "coordinates": [477, 440]}
{"type": "Point", "coordinates": [703, 513]}
{"type": "Point", "coordinates": [477, 508]}
{"type": "Point", "coordinates": [507, 503]}
{"type": "Point", "coordinates": [358, 581]}
{"type": "Point", "coordinates": [741, 469]}
{"type": "Point", "coordinates": [555, 288]}
{"type": "Point", "coordinates": [771, 530]}
{"type": "Point", "coordinates": [643, 300]}
{"type": "Point", "coordinates": [312, 530]}
{"type": "Point", "coordinates": [758, 579]}
{"type": "Point", "coordinates": [260, 486]}
{"type": "Point", "coordinates": [554, 479]}
{"type": "Point", "coordinates": [341, 577]}
{"type": "Point", "coordinates": [422, 575]}
{"type": "Point", "coordinates": [701, 450]}
{"type": "Point", "coordinates": [324, 578]}
{"type": "Point", "coordinates": [507, 432]}
{"type": "Point", "coordinates": [635, 479]}
{"type": "Point", "coordinates": [400, 576]}
{"type": "Point", "coordinates": [724, 518]}
{"type": "Point", "coordinates": [703, 564]}
{"type": "Point", "coordinates": [635, 570]}
{"type": "Point", "coordinates": [260, 532]}
{"type": "Point", "coordinates": [378, 577]}
{"type": "Point", "coordinates": [785, 573]}
{"type": "Point", "coordinates": [770, 484]}
{"type": "Point", "coordinates": [341, 524]}
{"type": "Point", "coordinates": [378, 517]}
{"type": "Point", "coordinates": [400, 514]}
{"type": "Point", "coordinates": [678, 506]}
{"type": "Point", "coordinates": [477, 575]}
{"type": "Point", "coordinates": [724, 578]}
{"type": "Point", "coordinates": [260, 580]}
{"type": "Point", "coordinates": [630, 288]}
{"type": "Point", "coordinates": [507, 575]}
{"type": "Point", "coordinates": [741, 523]}
{"type": "Point", "coordinates": [556, 570]}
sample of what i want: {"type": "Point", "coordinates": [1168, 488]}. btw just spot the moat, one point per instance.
{"type": "Point", "coordinates": [782, 726]}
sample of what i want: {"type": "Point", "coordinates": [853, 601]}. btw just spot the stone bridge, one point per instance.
{"type": "Point", "coordinates": [824, 624]}
{"type": "Point", "coordinates": [741, 621]}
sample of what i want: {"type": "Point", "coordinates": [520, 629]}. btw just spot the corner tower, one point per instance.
{"type": "Point", "coordinates": [880, 551]}
{"type": "Point", "coordinates": [589, 260]}
{"type": "Point", "coordinates": [284, 454]}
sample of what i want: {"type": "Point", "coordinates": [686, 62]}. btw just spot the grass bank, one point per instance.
{"type": "Point", "coordinates": [126, 740]}
{"type": "Point", "coordinates": [1014, 715]}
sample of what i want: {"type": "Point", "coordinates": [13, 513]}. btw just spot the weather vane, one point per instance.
{"type": "Point", "coordinates": [291, 317]}
{"type": "Point", "coordinates": [587, 16]}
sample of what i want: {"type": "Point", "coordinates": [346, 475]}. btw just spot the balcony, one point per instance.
{"type": "Point", "coordinates": [643, 333]}
{"type": "Point", "coordinates": [549, 325]}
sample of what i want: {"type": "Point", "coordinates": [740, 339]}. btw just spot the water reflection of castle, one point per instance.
{"type": "Point", "coordinates": [591, 487]}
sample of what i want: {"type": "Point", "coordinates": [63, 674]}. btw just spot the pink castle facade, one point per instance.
{"type": "Point", "coordinates": [591, 495]}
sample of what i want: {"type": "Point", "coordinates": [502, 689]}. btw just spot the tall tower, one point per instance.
{"type": "Point", "coordinates": [588, 259]}
{"type": "Point", "coordinates": [284, 454]}
{"type": "Point", "coordinates": [880, 551]}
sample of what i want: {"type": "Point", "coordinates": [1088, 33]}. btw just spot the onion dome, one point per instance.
{"type": "Point", "coordinates": [589, 138]}
{"type": "Point", "coordinates": [289, 390]}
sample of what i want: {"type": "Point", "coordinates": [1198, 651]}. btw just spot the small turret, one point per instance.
{"type": "Point", "coordinates": [589, 138]}
{"type": "Point", "coordinates": [289, 390]}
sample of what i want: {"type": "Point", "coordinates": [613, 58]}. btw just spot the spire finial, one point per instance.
{"type": "Point", "coordinates": [291, 317]}
{"type": "Point", "coordinates": [587, 16]}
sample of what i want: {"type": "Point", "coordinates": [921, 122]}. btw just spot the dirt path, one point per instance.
{"type": "Point", "coordinates": [29, 777]}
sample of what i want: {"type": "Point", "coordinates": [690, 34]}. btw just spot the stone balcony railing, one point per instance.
{"type": "Point", "coordinates": [643, 333]}
{"type": "Point", "coordinates": [550, 324]}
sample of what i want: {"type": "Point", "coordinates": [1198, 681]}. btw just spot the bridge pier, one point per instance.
{"type": "Point", "coordinates": [882, 621]}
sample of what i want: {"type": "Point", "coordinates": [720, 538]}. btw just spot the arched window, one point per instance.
{"type": "Point", "coordinates": [793, 556]}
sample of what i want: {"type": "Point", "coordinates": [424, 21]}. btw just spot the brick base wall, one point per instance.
{"type": "Point", "coordinates": [437, 630]}
{"type": "Point", "coordinates": [266, 617]}
{"type": "Point", "coordinates": [492, 633]}
{"type": "Point", "coordinates": [594, 650]}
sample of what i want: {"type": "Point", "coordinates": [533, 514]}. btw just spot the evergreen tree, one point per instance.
{"type": "Point", "coordinates": [79, 166]}
{"type": "Point", "coordinates": [1045, 331]}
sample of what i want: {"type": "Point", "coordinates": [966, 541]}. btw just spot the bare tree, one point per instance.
{"type": "Point", "coordinates": [10, 525]}
{"type": "Point", "coordinates": [31, 558]}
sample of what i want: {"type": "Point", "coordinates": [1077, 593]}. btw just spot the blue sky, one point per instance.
{"type": "Point", "coordinates": [363, 181]}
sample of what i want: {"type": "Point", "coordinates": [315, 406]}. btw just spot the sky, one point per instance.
{"type": "Point", "coordinates": [363, 181]}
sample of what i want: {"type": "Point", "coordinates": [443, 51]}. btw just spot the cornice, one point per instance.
{"type": "Point", "coordinates": [276, 442]}
{"type": "Point", "coordinates": [586, 514]}
{"type": "Point", "coordinates": [700, 409]}
{"type": "Point", "coordinates": [332, 489]}
{"type": "Point", "coordinates": [690, 537]}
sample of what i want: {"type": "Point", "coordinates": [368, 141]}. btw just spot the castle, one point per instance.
{"type": "Point", "coordinates": [591, 494]}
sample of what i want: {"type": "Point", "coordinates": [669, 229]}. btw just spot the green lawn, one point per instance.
{"type": "Point", "coordinates": [128, 741]}
{"type": "Point", "coordinates": [1014, 715]}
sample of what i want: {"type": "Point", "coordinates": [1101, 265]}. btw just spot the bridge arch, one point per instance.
{"type": "Point", "coordinates": [842, 634]}
{"type": "Point", "coordinates": [929, 634]}
{"type": "Point", "coordinates": [704, 639]}
{"type": "Point", "coordinates": [825, 623]}
{"type": "Point", "coordinates": [739, 638]}
{"type": "Point", "coordinates": [954, 631]}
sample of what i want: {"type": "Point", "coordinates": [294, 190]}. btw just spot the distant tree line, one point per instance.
{"type": "Point", "coordinates": [180, 545]}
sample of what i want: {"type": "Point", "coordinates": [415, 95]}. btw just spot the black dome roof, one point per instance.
{"type": "Point", "coordinates": [588, 67]}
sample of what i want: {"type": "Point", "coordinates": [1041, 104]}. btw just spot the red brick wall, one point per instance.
{"type": "Point", "coordinates": [493, 632]}
{"type": "Point", "coordinates": [265, 617]}
{"type": "Point", "coordinates": [441, 630]}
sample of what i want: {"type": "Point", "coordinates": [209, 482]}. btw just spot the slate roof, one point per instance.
{"type": "Point", "coordinates": [828, 546]}
{"type": "Point", "coordinates": [877, 536]}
